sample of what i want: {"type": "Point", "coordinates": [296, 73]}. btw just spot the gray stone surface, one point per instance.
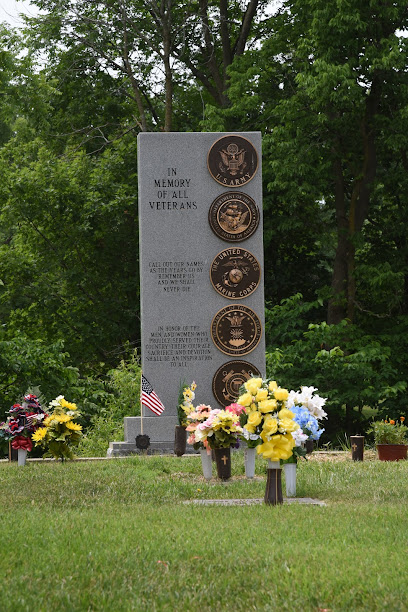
{"type": "Point", "coordinates": [257, 501]}
{"type": "Point", "coordinates": [123, 449]}
{"type": "Point", "coordinates": [177, 247]}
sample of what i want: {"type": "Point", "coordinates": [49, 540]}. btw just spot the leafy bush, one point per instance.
{"type": "Point", "coordinates": [351, 368]}
{"type": "Point", "coordinates": [27, 363]}
{"type": "Point", "coordinates": [103, 429]}
{"type": "Point", "coordinates": [124, 382]}
{"type": "Point", "coordinates": [122, 399]}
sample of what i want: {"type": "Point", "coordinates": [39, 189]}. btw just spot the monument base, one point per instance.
{"type": "Point", "coordinates": [161, 431]}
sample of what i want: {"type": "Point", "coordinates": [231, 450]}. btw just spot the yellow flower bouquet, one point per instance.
{"type": "Point", "coordinates": [185, 403]}
{"type": "Point", "coordinates": [221, 429]}
{"type": "Point", "coordinates": [60, 432]}
{"type": "Point", "coordinates": [267, 423]}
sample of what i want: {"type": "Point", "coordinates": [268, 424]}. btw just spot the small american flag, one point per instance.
{"type": "Point", "coordinates": [149, 398]}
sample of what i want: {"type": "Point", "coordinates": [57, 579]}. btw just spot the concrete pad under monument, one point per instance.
{"type": "Point", "coordinates": [201, 271]}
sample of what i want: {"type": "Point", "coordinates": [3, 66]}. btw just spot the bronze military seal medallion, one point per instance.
{"type": "Point", "coordinates": [233, 216]}
{"type": "Point", "coordinates": [235, 273]}
{"type": "Point", "coordinates": [232, 161]}
{"type": "Point", "coordinates": [228, 379]}
{"type": "Point", "coordinates": [236, 330]}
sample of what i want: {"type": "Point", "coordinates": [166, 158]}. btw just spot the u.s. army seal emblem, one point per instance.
{"type": "Point", "coordinates": [232, 161]}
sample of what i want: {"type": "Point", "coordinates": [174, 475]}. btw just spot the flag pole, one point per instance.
{"type": "Point", "coordinates": [141, 409]}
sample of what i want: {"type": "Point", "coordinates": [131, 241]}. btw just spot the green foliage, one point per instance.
{"type": "Point", "coordinates": [350, 367]}
{"type": "Point", "coordinates": [68, 250]}
{"type": "Point", "coordinates": [26, 363]}
{"type": "Point", "coordinates": [389, 432]}
{"type": "Point", "coordinates": [124, 382]}
{"type": "Point", "coordinates": [121, 397]}
{"type": "Point", "coordinates": [103, 429]}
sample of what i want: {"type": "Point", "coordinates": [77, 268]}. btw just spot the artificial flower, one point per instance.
{"type": "Point", "coordinates": [308, 399]}
{"type": "Point", "coordinates": [56, 401]}
{"type": "Point", "coordinates": [235, 408]}
{"type": "Point", "coordinates": [249, 436]}
{"type": "Point", "coordinates": [270, 426]}
{"type": "Point", "coordinates": [245, 399]}
{"type": "Point", "coordinates": [23, 443]}
{"type": "Point", "coordinates": [219, 430]}
{"type": "Point", "coordinates": [254, 419]}
{"type": "Point", "coordinates": [185, 403]}
{"type": "Point", "coordinates": [284, 413]}
{"type": "Point", "coordinates": [261, 395]}
{"type": "Point", "coordinates": [252, 385]}
{"type": "Point", "coordinates": [22, 422]}
{"type": "Point", "coordinates": [74, 426]}
{"type": "Point", "coordinates": [307, 422]}
{"type": "Point", "coordinates": [277, 447]}
{"type": "Point", "coordinates": [60, 433]}
{"type": "Point", "coordinates": [68, 405]}
{"type": "Point", "coordinates": [62, 418]}
{"type": "Point", "coordinates": [281, 394]}
{"type": "Point", "coordinates": [39, 434]}
{"type": "Point", "coordinates": [267, 405]}
{"type": "Point", "coordinates": [188, 394]}
{"type": "Point", "coordinates": [287, 425]}
{"type": "Point", "coordinates": [266, 416]}
{"type": "Point", "coordinates": [299, 437]}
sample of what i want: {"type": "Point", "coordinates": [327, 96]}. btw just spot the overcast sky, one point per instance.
{"type": "Point", "coordinates": [10, 9]}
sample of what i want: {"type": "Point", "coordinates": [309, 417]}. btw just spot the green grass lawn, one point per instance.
{"type": "Point", "coordinates": [117, 535]}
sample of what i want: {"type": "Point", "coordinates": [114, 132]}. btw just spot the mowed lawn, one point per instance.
{"type": "Point", "coordinates": [117, 535]}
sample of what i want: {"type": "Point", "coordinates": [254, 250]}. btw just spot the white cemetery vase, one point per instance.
{"type": "Point", "coordinates": [206, 463]}
{"type": "Point", "coordinates": [290, 479]}
{"type": "Point", "coordinates": [250, 454]}
{"type": "Point", "coordinates": [22, 456]}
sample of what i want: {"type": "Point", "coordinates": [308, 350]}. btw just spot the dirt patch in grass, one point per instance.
{"type": "Point", "coordinates": [336, 456]}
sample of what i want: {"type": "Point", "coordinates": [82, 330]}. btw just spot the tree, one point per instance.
{"type": "Point", "coordinates": [334, 90]}
{"type": "Point", "coordinates": [68, 263]}
{"type": "Point", "coordinates": [329, 91]}
{"type": "Point", "coordinates": [149, 49]}
{"type": "Point", "coordinates": [349, 65]}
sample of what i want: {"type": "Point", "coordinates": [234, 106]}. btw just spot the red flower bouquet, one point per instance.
{"type": "Point", "coordinates": [22, 422]}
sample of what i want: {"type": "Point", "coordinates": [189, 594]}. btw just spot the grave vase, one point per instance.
{"type": "Point", "coordinates": [206, 463]}
{"type": "Point", "coordinates": [180, 441]}
{"type": "Point", "coordinates": [290, 478]}
{"type": "Point", "coordinates": [250, 454]}
{"type": "Point", "coordinates": [357, 448]}
{"type": "Point", "coordinates": [22, 456]}
{"type": "Point", "coordinates": [273, 492]}
{"type": "Point", "coordinates": [223, 462]}
{"type": "Point", "coordinates": [309, 446]}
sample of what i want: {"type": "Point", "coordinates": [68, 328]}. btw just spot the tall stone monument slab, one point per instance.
{"type": "Point", "coordinates": [201, 263]}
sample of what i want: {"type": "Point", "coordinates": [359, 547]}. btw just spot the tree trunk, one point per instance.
{"type": "Point", "coordinates": [130, 74]}
{"type": "Point", "coordinates": [168, 76]}
{"type": "Point", "coordinates": [337, 304]}
{"type": "Point", "coordinates": [350, 218]}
